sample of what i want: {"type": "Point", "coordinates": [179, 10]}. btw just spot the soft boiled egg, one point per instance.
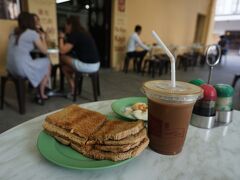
{"type": "Point", "coordinates": [142, 115]}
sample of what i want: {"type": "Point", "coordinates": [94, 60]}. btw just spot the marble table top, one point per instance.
{"type": "Point", "coordinates": [207, 154]}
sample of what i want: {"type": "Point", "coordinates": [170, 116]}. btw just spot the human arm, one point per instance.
{"type": "Point", "coordinates": [140, 43]}
{"type": "Point", "coordinates": [41, 44]}
{"type": "Point", "coordinates": [64, 47]}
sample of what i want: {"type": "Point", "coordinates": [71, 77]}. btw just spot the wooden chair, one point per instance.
{"type": "Point", "coordinates": [79, 80]}
{"type": "Point", "coordinates": [158, 63]}
{"type": "Point", "coordinates": [20, 90]}
{"type": "Point", "coordinates": [152, 65]}
{"type": "Point", "coordinates": [127, 61]}
{"type": "Point", "coordinates": [55, 67]}
{"type": "Point", "coordinates": [236, 78]}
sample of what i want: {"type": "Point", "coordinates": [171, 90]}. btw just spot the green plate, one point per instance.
{"type": "Point", "coordinates": [65, 156]}
{"type": "Point", "coordinates": [119, 106]}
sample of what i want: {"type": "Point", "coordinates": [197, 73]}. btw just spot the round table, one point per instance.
{"type": "Point", "coordinates": [207, 154]}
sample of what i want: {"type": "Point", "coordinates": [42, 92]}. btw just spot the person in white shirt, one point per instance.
{"type": "Point", "coordinates": [132, 53]}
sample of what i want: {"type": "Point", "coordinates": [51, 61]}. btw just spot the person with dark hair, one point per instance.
{"type": "Point", "coordinates": [138, 29]}
{"type": "Point", "coordinates": [38, 26]}
{"type": "Point", "coordinates": [19, 61]}
{"type": "Point", "coordinates": [132, 53]}
{"type": "Point", "coordinates": [78, 50]}
{"type": "Point", "coordinates": [223, 44]}
{"type": "Point", "coordinates": [40, 29]}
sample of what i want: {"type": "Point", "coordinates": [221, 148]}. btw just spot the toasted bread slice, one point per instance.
{"type": "Point", "coordinates": [117, 130]}
{"type": "Point", "coordinates": [125, 141]}
{"type": "Point", "coordinates": [114, 154]}
{"type": "Point", "coordinates": [62, 140]}
{"type": "Point", "coordinates": [97, 154]}
{"type": "Point", "coordinates": [91, 134]}
{"type": "Point", "coordinates": [116, 148]}
{"type": "Point", "coordinates": [80, 121]}
{"type": "Point", "coordinates": [56, 131]}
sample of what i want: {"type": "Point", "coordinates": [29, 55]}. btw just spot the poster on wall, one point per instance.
{"type": "Point", "coordinates": [121, 5]}
{"type": "Point", "coordinates": [9, 9]}
{"type": "Point", "coordinates": [119, 33]}
{"type": "Point", "coordinates": [46, 10]}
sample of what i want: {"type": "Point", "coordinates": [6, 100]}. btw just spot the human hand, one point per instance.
{"type": "Point", "coordinates": [61, 35]}
{"type": "Point", "coordinates": [42, 36]}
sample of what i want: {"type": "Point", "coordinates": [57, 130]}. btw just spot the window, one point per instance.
{"type": "Point", "coordinates": [9, 9]}
{"type": "Point", "coordinates": [227, 7]}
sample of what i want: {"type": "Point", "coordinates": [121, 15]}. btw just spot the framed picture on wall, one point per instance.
{"type": "Point", "coordinates": [9, 9]}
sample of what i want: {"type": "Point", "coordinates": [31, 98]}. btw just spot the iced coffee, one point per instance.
{"type": "Point", "coordinates": [170, 110]}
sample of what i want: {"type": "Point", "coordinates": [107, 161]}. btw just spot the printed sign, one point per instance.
{"type": "Point", "coordinates": [119, 33]}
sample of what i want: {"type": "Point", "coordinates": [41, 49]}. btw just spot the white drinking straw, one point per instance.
{"type": "Point", "coordinates": [172, 58]}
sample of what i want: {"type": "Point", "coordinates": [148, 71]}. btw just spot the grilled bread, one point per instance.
{"type": "Point", "coordinates": [98, 154]}
{"type": "Point", "coordinates": [60, 132]}
{"type": "Point", "coordinates": [80, 121]}
{"type": "Point", "coordinates": [94, 136]}
{"type": "Point", "coordinates": [57, 131]}
{"type": "Point", "coordinates": [116, 148]}
{"type": "Point", "coordinates": [117, 130]}
{"type": "Point", "coordinates": [127, 140]}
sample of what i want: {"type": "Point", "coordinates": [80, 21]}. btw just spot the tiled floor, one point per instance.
{"type": "Point", "coordinates": [114, 85]}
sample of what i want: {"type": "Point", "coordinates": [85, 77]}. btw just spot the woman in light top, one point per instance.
{"type": "Point", "coordinates": [19, 62]}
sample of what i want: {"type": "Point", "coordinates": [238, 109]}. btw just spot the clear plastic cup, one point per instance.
{"type": "Point", "coordinates": [169, 113]}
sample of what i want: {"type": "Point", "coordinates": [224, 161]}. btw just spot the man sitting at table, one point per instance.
{"type": "Point", "coordinates": [132, 53]}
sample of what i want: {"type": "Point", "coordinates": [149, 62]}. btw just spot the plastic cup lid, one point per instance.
{"type": "Point", "coordinates": [162, 89]}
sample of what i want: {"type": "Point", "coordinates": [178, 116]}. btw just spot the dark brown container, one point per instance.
{"type": "Point", "coordinates": [169, 114]}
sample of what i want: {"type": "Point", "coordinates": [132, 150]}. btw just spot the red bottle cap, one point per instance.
{"type": "Point", "coordinates": [209, 93]}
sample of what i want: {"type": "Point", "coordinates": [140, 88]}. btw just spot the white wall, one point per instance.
{"type": "Point", "coordinates": [221, 26]}
{"type": "Point", "coordinates": [174, 20]}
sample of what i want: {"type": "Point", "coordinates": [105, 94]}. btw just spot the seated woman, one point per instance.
{"type": "Point", "coordinates": [38, 26]}
{"type": "Point", "coordinates": [19, 62]}
{"type": "Point", "coordinates": [78, 52]}
{"type": "Point", "coordinates": [40, 29]}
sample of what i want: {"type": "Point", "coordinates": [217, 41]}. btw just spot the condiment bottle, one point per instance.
{"type": "Point", "coordinates": [224, 97]}
{"type": "Point", "coordinates": [197, 82]}
{"type": "Point", "coordinates": [206, 106]}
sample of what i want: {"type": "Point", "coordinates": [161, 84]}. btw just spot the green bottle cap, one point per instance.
{"type": "Point", "coordinates": [197, 82]}
{"type": "Point", "coordinates": [224, 90]}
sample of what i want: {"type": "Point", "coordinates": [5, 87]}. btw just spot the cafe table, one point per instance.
{"type": "Point", "coordinates": [207, 154]}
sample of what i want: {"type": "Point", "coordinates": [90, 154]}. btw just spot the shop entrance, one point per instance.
{"type": "Point", "coordinates": [95, 16]}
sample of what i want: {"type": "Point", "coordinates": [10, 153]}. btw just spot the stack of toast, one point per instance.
{"type": "Point", "coordinates": [91, 134]}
